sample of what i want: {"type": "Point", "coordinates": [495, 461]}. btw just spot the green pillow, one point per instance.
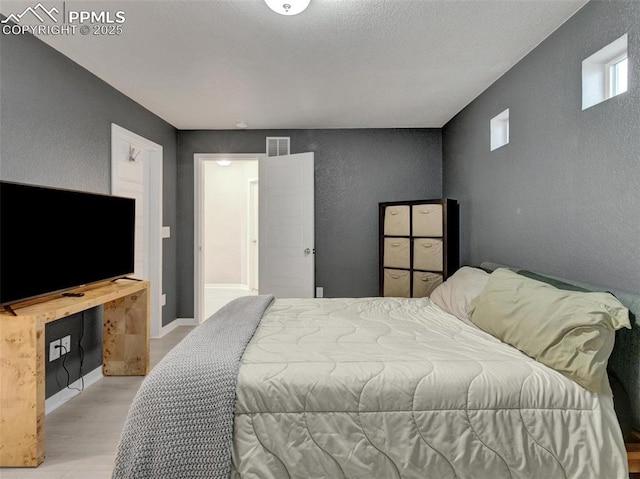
{"type": "Point", "coordinates": [556, 283]}
{"type": "Point", "coordinates": [566, 286]}
{"type": "Point", "coordinates": [570, 331]}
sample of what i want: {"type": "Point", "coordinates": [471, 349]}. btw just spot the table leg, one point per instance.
{"type": "Point", "coordinates": [126, 336]}
{"type": "Point", "coordinates": [22, 393]}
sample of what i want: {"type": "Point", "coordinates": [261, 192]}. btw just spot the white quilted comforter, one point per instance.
{"type": "Point", "coordinates": [397, 388]}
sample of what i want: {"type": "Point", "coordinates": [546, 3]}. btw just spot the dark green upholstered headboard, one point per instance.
{"type": "Point", "coordinates": [624, 363]}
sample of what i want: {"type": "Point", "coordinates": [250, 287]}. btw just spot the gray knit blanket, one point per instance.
{"type": "Point", "coordinates": [180, 423]}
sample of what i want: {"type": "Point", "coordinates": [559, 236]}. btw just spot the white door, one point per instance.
{"type": "Point", "coordinates": [130, 178]}
{"type": "Point", "coordinates": [286, 222]}
{"type": "Point", "coordinates": [136, 172]}
{"type": "Point", "coordinates": [254, 229]}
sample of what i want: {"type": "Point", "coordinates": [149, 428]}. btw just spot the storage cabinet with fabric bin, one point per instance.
{"type": "Point", "coordinates": [397, 222]}
{"type": "Point", "coordinates": [425, 283]}
{"type": "Point", "coordinates": [419, 238]}
{"type": "Point", "coordinates": [396, 253]}
{"type": "Point", "coordinates": [427, 220]}
{"type": "Point", "coordinates": [397, 283]}
{"type": "Point", "coordinates": [427, 254]}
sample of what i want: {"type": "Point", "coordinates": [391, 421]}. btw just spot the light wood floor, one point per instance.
{"type": "Point", "coordinates": [82, 434]}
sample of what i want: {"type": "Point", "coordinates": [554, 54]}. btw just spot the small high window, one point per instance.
{"type": "Point", "coordinates": [500, 130]}
{"type": "Point", "coordinates": [618, 76]}
{"type": "Point", "coordinates": [605, 74]}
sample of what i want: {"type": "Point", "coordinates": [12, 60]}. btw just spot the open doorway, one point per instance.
{"type": "Point", "coordinates": [227, 207]}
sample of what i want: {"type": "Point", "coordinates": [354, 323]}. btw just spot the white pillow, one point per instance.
{"type": "Point", "coordinates": [455, 294]}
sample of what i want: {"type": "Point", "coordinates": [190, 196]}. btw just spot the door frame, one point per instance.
{"type": "Point", "coordinates": [153, 213]}
{"type": "Point", "coordinates": [253, 227]}
{"type": "Point", "coordinates": [199, 160]}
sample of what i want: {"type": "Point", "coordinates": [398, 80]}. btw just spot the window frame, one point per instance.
{"type": "Point", "coordinates": [611, 75]}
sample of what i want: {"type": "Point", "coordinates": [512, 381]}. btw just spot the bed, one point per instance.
{"type": "Point", "coordinates": [370, 388]}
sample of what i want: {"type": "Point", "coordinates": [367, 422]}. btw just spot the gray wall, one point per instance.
{"type": "Point", "coordinates": [56, 131]}
{"type": "Point", "coordinates": [86, 333]}
{"type": "Point", "coordinates": [354, 171]}
{"type": "Point", "coordinates": [562, 197]}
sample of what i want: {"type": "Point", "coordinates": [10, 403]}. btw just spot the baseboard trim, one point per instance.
{"type": "Point", "coordinates": [61, 397]}
{"type": "Point", "coordinates": [175, 324]}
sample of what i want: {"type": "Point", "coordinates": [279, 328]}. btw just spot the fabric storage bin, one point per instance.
{"type": "Point", "coordinates": [397, 253]}
{"type": "Point", "coordinates": [396, 220]}
{"type": "Point", "coordinates": [427, 254]}
{"type": "Point", "coordinates": [397, 283]}
{"type": "Point", "coordinates": [427, 220]}
{"type": "Point", "coordinates": [425, 283]}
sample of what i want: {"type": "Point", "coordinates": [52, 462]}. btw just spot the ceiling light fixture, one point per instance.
{"type": "Point", "coordinates": [223, 162]}
{"type": "Point", "coordinates": [241, 124]}
{"type": "Point", "coordinates": [287, 7]}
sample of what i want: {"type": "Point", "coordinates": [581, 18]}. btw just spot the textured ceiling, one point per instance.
{"type": "Point", "coordinates": [339, 64]}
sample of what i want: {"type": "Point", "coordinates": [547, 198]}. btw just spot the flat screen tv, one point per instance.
{"type": "Point", "coordinates": [53, 240]}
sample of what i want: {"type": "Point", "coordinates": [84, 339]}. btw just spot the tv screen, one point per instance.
{"type": "Point", "coordinates": [54, 239]}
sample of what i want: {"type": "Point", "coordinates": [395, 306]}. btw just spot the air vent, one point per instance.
{"type": "Point", "coordinates": [278, 145]}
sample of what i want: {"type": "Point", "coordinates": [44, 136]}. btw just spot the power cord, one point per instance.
{"type": "Point", "coordinates": [64, 358]}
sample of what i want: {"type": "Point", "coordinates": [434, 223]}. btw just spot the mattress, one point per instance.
{"type": "Point", "coordinates": [391, 387]}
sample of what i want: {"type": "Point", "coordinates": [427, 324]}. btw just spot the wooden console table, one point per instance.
{"type": "Point", "coordinates": [125, 352]}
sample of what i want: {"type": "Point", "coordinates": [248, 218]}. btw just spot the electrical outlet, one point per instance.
{"type": "Point", "coordinates": [54, 350]}
{"type": "Point", "coordinates": [319, 292]}
{"type": "Point", "coordinates": [66, 345]}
